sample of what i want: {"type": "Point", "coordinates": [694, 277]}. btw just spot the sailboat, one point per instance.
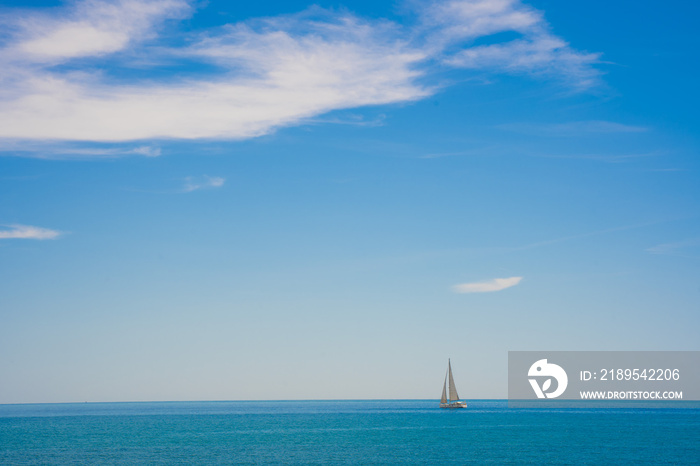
{"type": "Point", "coordinates": [453, 400]}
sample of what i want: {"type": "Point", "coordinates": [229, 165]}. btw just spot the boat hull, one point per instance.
{"type": "Point", "coordinates": [456, 404]}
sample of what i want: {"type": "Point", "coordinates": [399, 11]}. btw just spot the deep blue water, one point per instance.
{"type": "Point", "coordinates": [343, 432]}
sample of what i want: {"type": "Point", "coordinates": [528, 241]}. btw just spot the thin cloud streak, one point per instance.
{"type": "Point", "coordinates": [271, 72]}
{"type": "Point", "coordinates": [70, 150]}
{"type": "Point", "coordinates": [433, 254]}
{"type": "Point", "coordinates": [195, 183]}
{"type": "Point", "coordinates": [584, 235]}
{"type": "Point", "coordinates": [573, 128]}
{"type": "Point", "coordinates": [608, 158]}
{"type": "Point", "coordinates": [487, 286]}
{"type": "Point", "coordinates": [17, 231]}
{"type": "Point", "coordinates": [352, 120]}
{"type": "Point", "coordinates": [674, 249]}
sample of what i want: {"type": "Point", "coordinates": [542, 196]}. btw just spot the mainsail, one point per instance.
{"type": "Point", "coordinates": [453, 390]}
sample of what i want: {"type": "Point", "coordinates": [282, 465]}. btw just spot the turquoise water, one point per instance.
{"type": "Point", "coordinates": [343, 432]}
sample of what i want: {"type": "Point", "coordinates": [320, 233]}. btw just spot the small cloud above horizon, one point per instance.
{"type": "Point", "coordinates": [195, 183]}
{"type": "Point", "coordinates": [16, 231]}
{"type": "Point", "coordinates": [496, 284]}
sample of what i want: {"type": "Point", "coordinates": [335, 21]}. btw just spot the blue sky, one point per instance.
{"type": "Point", "coordinates": [206, 201]}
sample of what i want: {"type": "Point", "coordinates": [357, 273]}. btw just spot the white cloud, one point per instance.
{"type": "Point", "coordinates": [281, 79]}
{"type": "Point", "coordinates": [536, 51]}
{"type": "Point", "coordinates": [28, 232]}
{"type": "Point", "coordinates": [268, 73]}
{"type": "Point", "coordinates": [540, 54]}
{"type": "Point", "coordinates": [89, 28]}
{"type": "Point", "coordinates": [194, 183]}
{"type": "Point", "coordinates": [497, 284]}
{"type": "Point", "coordinates": [470, 19]}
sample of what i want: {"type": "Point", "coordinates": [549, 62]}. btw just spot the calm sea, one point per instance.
{"type": "Point", "coordinates": [343, 432]}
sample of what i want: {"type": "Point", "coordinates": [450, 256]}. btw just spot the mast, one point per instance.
{"type": "Point", "coordinates": [444, 392]}
{"type": "Point", "coordinates": [453, 390]}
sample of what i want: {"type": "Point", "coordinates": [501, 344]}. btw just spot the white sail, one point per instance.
{"type": "Point", "coordinates": [444, 391]}
{"type": "Point", "coordinates": [453, 390]}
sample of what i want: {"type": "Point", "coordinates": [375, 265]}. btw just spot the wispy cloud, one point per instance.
{"type": "Point", "coordinates": [573, 128]}
{"type": "Point", "coordinates": [61, 76]}
{"type": "Point", "coordinates": [353, 120]}
{"type": "Point", "coordinates": [273, 73]}
{"type": "Point", "coordinates": [27, 232]}
{"type": "Point", "coordinates": [536, 51]}
{"type": "Point", "coordinates": [601, 157]}
{"type": "Point", "coordinates": [146, 151]}
{"type": "Point", "coordinates": [541, 54]}
{"type": "Point", "coordinates": [678, 248]}
{"type": "Point", "coordinates": [439, 155]}
{"type": "Point", "coordinates": [490, 150]}
{"type": "Point", "coordinates": [194, 183]}
{"type": "Point", "coordinates": [496, 284]}
{"type": "Point", "coordinates": [488, 250]}
{"type": "Point", "coordinates": [71, 150]}
{"type": "Point", "coordinates": [88, 28]}
{"type": "Point", "coordinates": [584, 235]}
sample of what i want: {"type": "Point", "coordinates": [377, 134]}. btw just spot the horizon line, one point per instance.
{"type": "Point", "coordinates": [245, 401]}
